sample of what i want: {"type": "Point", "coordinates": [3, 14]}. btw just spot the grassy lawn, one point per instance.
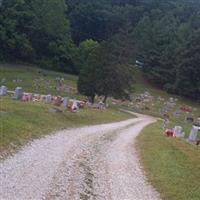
{"type": "Point", "coordinates": [21, 122]}
{"type": "Point", "coordinates": [172, 165]}
{"type": "Point", "coordinates": [27, 75]}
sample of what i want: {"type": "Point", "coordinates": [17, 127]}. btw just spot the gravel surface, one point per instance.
{"type": "Point", "coordinates": [95, 162]}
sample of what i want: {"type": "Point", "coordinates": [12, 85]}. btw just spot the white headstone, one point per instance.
{"type": "Point", "coordinates": [48, 99]}
{"type": "Point", "coordinates": [193, 134]}
{"type": "Point", "coordinates": [178, 131]}
{"type": "Point", "coordinates": [18, 93]}
{"type": "Point", "coordinates": [3, 90]}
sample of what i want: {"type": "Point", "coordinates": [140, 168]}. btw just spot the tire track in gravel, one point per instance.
{"type": "Point", "coordinates": [95, 162]}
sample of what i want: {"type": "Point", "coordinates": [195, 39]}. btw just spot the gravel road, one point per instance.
{"type": "Point", "coordinates": [95, 162]}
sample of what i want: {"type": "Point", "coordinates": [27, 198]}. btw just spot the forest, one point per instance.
{"type": "Point", "coordinates": [101, 40]}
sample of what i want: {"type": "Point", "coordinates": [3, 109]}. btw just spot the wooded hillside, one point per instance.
{"type": "Point", "coordinates": [63, 35]}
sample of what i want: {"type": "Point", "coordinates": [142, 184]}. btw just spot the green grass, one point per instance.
{"type": "Point", "coordinates": [172, 165]}
{"type": "Point", "coordinates": [29, 73]}
{"type": "Point", "coordinates": [21, 122]}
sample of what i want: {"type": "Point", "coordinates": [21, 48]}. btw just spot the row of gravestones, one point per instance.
{"type": "Point", "coordinates": [57, 101]}
{"type": "Point", "coordinates": [177, 132]}
{"type": "Point", "coordinates": [18, 94]}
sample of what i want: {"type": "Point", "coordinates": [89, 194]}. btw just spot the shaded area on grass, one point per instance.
{"type": "Point", "coordinates": [172, 165]}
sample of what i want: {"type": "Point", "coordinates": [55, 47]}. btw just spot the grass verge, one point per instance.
{"type": "Point", "coordinates": [171, 165]}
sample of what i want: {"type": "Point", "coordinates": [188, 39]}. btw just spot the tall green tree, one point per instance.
{"type": "Point", "coordinates": [108, 71]}
{"type": "Point", "coordinates": [188, 69]}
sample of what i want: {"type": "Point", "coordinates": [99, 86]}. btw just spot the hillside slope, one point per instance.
{"type": "Point", "coordinates": [24, 121]}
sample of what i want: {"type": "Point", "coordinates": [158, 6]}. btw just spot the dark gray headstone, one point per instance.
{"type": "Point", "coordinates": [65, 101]}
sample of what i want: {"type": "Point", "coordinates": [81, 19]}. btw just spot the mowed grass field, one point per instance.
{"type": "Point", "coordinates": [21, 122]}
{"type": "Point", "coordinates": [172, 165]}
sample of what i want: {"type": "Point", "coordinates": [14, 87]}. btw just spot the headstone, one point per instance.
{"type": "Point", "coordinates": [48, 99]}
{"type": "Point", "coordinates": [193, 134]}
{"type": "Point", "coordinates": [18, 93]}
{"type": "Point", "coordinates": [43, 98]}
{"type": "Point", "coordinates": [65, 101]}
{"type": "Point", "coordinates": [74, 106]}
{"type": "Point", "coordinates": [171, 100]}
{"type": "Point", "coordinates": [164, 109]}
{"type": "Point", "coordinates": [36, 97]}
{"type": "Point", "coordinates": [197, 122]}
{"type": "Point", "coordinates": [57, 101]}
{"type": "Point", "coordinates": [3, 90]}
{"type": "Point", "coordinates": [178, 131]}
{"type": "Point", "coordinates": [146, 94]}
{"type": "Point", "coordinates": [30, 97]}
{"type": "Point", "coordinates": [189, 118]}
{"type": "Point", "coordinates": [27, 97]}
{"type": "Point", "coordinates": [24, 98]}
{"type": "Point", "coordinates": [101, 105]}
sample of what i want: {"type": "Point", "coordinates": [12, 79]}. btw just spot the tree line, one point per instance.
{"type": "Point", "coordinates": [101, 40]}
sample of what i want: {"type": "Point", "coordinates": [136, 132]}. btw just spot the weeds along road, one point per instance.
{"type": "Point", "coordinates": [95, 162]}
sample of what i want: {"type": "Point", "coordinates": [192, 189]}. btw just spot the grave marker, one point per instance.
{"type": "Point", "coordinates": [193, 134]}
{"type": "Point", "coordinates": [48, 99]}
{"type": "Point", "coordinates": [178, 131]}
{"type": "Point", "coordinates": [3, 90]}
{"type": "Point", "coordinates": [18, 93]}
{"type": "Point", "coordinates": [65, 101]}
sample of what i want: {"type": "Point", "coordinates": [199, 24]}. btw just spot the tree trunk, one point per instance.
{"type": "Point", "coordinates": [105, 99]}
{"type": "Point", "coordinates": [92, 99]}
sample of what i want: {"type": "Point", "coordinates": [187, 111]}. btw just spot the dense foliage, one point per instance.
{"type": "Point", "coordinates": [108, 71]}
{"type": "Point", "coordinates": [72, 36]}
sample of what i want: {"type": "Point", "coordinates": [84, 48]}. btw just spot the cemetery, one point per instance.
{"type": "Point", "coordinates": [100, 99]}
{"type": "Point", "coordinates": [30, 102]}
{"type": "Point", "coordinates": [27, 106]}
{"type": "Point", "coordinates": [179, 120]}
{"type": "Point", "coordinates": [57, 93]}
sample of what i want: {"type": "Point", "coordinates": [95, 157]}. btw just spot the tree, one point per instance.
{"type": "Point", "coordinates": [37, 31]}
{"type": "Point", "coordinates": [87, 77]}
{"type": "Point", "coordinates": [188, 69]}
{"type": "Point", "coordinates": [112, 77]}
{"type": "Point", "coordinates": [108, 72]}
{"type": "Point", "coordinates": [85, 49]}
